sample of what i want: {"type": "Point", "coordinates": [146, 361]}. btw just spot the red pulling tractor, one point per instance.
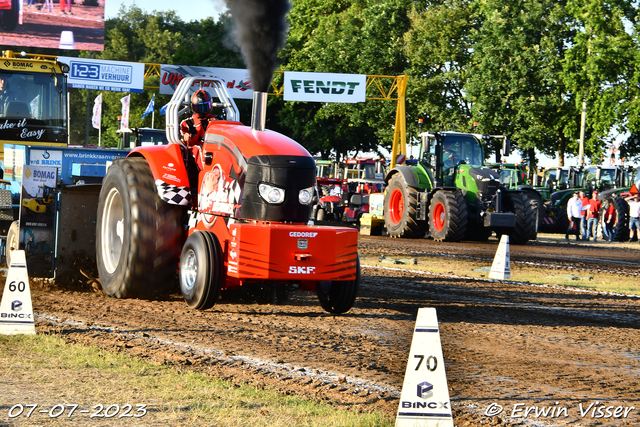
{"type": "Point", "coordinates": [240, 220]}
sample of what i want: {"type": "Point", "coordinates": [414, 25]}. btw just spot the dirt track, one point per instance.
{"type": "Point", "coordinates": [41, 28]}
{"type": "Point", "coordinates": [504, 344]}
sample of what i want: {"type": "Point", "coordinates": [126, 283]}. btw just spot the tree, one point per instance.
{"type": "Point", "coordinates": [438, 49]}
{"type": "Point", "coordinates": [343, 36]}
{"type": "Point", "coordinates": [595, 65]}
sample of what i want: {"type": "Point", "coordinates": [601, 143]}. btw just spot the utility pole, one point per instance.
{"type": "Point", "coordinates": [583, 122]}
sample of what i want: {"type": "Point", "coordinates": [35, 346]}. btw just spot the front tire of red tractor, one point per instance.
{"type": "Point", "coordinates": [201, 266]}
{"type": "Point", "coordinates": [138, 236]}
{"type": "Point", "coordinates": [448, 216]}
{"type": "Point", "coordinates": [401, 208]}
{"type": "Point", "coordinates": [338, 297]}
{"type": "Point", "coordinates": [526, 220]}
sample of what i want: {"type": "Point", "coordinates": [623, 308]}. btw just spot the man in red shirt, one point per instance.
{"type": "Point", "coordinates": [193, 129]}
{"type": "Point", "coordinates": [593, 213]}
{"type": "Point", "coordinates": [610, 219]}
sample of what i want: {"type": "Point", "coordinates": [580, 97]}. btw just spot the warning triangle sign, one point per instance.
{"type": "Point", "coordinates": [16, 311]}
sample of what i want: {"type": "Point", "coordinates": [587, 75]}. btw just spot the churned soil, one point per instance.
{"type": "Point", "coordinates": [42, 27]}
{"type": "Point", "coordinates": [525, 354]}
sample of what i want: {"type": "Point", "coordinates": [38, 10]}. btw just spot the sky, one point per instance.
{"type": "Point", "coordinates": [192, 10]}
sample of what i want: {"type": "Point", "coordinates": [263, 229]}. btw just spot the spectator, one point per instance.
{"type": "Point", "coordinates": [634, 216]}
{"type": "Point", "coordinates": [610, 218]}
{"type": "Point", "coordinates": [65, 7]}
{"type": "Point", "coordinates": [593, 214]}
{"type": "Point", "coordinates": [583, 214]}
{"type": "Point", "coordinates": [574, 209]}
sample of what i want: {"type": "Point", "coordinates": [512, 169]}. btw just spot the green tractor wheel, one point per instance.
{"type": "Point", "coordinates": [400, 210]}
{"type": "Point", "coordinates": [525, 211]}
{"type": "Point", "coordinates": [448, 216]}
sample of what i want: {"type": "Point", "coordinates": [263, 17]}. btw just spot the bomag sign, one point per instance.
{"type": "Point", "coordinates": [324, 87]}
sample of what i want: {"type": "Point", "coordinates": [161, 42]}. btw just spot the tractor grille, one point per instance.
{"type": "Point", "coordinates": [291, 173]}
{"type": "Point", "coordinates": [487, 182]}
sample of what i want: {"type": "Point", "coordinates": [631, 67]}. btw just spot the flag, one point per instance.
{"type": "Point", "coordinates": [124, 124]}
{"type": "Point", "coordinates": [150, 107]}
{"type": "Point", "coordinates": [97, 112]}
{"type": "Point", "coordinates": [163, 110]}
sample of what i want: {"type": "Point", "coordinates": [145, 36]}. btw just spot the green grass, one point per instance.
{"type": "Point", "coordinates": [45, 370]}
{"type": "Point", "coordinates": [519, 273]}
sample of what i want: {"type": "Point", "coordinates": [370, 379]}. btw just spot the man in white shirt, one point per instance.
{"type": "Point", "coordinates": [634, 215]}
{"type": "Point", "coordinates": [574, 209]}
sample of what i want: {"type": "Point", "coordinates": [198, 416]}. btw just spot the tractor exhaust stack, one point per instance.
{"type": "Point", "coordinates": [259, 111]}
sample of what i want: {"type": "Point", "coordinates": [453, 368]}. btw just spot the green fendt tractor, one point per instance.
{"type": "Point", "coordinates": [450, 195]}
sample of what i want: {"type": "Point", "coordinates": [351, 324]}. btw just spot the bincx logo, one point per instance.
{"type": "Point", "coordinates": [16, 305]}
{"type": "Point", "coordinates": [425, 390]}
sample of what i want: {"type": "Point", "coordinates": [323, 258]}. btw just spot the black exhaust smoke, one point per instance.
{"type": "Point", "coordinates": [261, 30]}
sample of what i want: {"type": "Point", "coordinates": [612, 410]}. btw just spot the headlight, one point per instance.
{"type": "Point", "coordinates": [305, 196]}
{"type": "Point", "coordinates": [271, 194]}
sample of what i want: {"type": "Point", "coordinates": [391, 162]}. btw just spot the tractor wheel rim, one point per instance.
{"type": "Point", "coordinates": [112, 231]}
{"type": "Point", "coordinates": [189, 270]}
{"type": "Point", "coordinates": [396, 206]}
{"type": "Point", "coordinates": [439, 217]}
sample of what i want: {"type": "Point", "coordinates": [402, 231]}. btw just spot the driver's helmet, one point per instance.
{"type": "Point", "coordinates": [200, 102]}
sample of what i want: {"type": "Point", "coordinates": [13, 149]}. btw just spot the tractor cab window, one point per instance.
{"type": "Point", "coordinates": [634, 176]}
{"type": "Point", "coordinates": [549, 178]}
{"type": "Point", "coordinates": [508, 177]}
{"type": "Point", "coordinates": [33, 107]}
{"type": "Point", "coordinates": [461, 148]}
{"type": "Point", "coordinates": [590, 179]}
{"type": "Point", "coordinates": [607, 179]}
{"type": "Point", "coordinates": [563, 179]}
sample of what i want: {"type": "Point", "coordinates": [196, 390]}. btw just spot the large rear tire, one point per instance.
{"type": "Point", "coordinates": [338, 297]}
{"type": "Point", "coordinates": [201, 273]}
{"type": "Point", "coordinates": [401, 208]}
{"type": "Point", "coordinates": [138, 236]}
{"type": "Point", "coordinates": [448, 216]}
{"type": "Point", "coordinates": [526, 220]}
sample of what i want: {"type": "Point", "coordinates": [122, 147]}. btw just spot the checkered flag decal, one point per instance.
{"type": "Point", "coordinates": [234, 190]}
{"type": "Point", "coordinates": [173, 194]}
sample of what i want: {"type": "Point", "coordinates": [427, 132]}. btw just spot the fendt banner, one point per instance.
{"type": "Point", "coordinates": [324, 87]}
{"type": "Point", "coordinates": [236, 80]}
{"type": "Point", "coordinates": [98, 74]}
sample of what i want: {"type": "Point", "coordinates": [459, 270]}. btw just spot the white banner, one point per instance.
{"type": "Point", "coordinates": [97, 112]}
{"type": "Point", "coordinates": [124, 121]}
{"type": "Point", "coordinates": [324, 87]}
{"type": "Point", "coordinates": [237, 80]}
{"type": "Point", "coordinates": [100, 74]}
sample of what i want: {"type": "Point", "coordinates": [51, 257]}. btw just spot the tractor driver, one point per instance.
{"type": "Point", "coordinates": [448, 155]}
{"type": "Point", "coordinates": [193, 129]}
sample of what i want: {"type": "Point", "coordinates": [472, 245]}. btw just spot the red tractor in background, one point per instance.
{"type": "Point", "coordinates": [347, 198]}
{"type": "Point", "coordinates": [242, 220]}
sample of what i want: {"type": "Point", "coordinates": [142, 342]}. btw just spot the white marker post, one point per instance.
{"type": "Point", "coordinates": [424, 401]}
{"type": "Point", "coordinates": [16, 311]}
{"type": "Point", "coordinates": [501, 267]}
